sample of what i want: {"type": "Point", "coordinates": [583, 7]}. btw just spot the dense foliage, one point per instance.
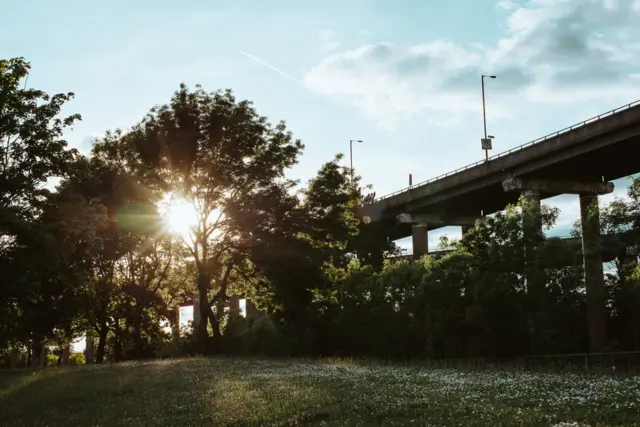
{"type": "Point", "coordinates": [96, 258]}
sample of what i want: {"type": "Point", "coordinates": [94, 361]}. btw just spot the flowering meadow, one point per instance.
{"type": "Point", "coordinates": [231, 392]}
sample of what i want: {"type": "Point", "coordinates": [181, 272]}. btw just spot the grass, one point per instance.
{"type": "Point", "coordinates": [231, 392]}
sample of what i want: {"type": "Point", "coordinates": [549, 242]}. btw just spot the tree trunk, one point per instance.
{"type": "Point", "coordinates": [66, 351]}
{"type": "Point", "coordinates": [215, 323]}
{"type": "Point", "coordinates": [117, 344]}
{"type": "Point", "coordinates": [14, 358]}
{"type": "Point", "coordinates": [102, 341]}
{"type": "Point", "coordinates": [37, 350]}
{"type": "Point", "coordinates": [175, 323]}
{"type": "Point", "coordinates": [202, 335]}
{"type": "Point", "coordinates": [137, 331]}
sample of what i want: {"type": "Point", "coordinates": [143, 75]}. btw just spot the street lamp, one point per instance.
{"type": "Point", "coordinates": [486, 141]}
{"type": "Point", "coordinates": [351, 141]}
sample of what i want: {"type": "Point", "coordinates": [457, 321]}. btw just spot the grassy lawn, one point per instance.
{"type": "Point", "coordinates": [226, 392]}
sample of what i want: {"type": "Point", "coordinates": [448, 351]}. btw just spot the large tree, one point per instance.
{"type": "Point", "coordinates": [219, 156]}
{"type": "Point", "coordinates": [32, 150]}
{"type": "Point", "coordinates": [31, 145]}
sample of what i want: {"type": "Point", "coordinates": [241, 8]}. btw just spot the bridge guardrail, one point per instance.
{"type": "Point", "coordinates": [518, 148]}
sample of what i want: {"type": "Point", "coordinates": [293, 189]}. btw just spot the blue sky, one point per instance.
{"type": "Point", "coordinates": [401, 75]}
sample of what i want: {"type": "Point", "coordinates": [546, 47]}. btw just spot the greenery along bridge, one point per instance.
{"type": "Point", "coordinates": [580, 159]}
{"type": "Point", "coordinates": [614, 246]}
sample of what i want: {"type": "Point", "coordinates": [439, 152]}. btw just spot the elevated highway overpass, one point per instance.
{"type": "Point", "coordinates": [580, 159]}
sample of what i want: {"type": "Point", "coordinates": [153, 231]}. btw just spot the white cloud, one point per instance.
{"type": "Point", "coordinates": [553, 51]}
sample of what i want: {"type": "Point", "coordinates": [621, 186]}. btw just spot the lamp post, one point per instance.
{"type": "Point", "coordinates": [486, 141]}
{"type": "Point", "coordinates": [351, 141]}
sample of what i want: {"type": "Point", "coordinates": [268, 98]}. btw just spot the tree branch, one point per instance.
{"type": "Point", "coordinates": [223, 284]}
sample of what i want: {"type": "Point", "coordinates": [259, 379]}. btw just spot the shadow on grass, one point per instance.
{"type": "Point", "coordinates": [243, 393]}
{"type": "Point", "coordinates": [113, 395]}
{"type": "Point", "coordinates": [184, 392]}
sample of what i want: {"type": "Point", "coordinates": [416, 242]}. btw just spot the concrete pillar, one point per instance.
{"type": "Point", "coordinates": [594, 275]}
{"type": "Point", "coordinates": [535, 277]}
{"type": "Point", "coordinates": [532, 214]}
{"type": "Point", "coordinates": [66, 352]}
{"type": "Point", "coordinates": [234, 303]}
{"type": "Point", "coordinates": [88, 351]}
{"type": "Point", "coordinates": [465, 229]}
{"type": "Point", "coordinates": [250, 307]}
{"type": "Point", "coordinates": [420, 238]}
{"type": "Point", "coordinates": [13, 363]}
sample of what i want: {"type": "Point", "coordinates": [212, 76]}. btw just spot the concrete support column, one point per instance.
{"type": "Point", "coordinates": [234, 304]}
{"type": "Point", "coordinates": [251, 309]}
{"type": "Point", "coordinates": [88, 352]}
{"type": "Point", "coordinates": [533, 215]}
{"type": "Point", "coordinates": [594, 275]}
{"type": "Point", "coordinates": [13, 363]}
{"type": "Point", "coordinates": [420, 239]}
{"type": "Point", "coordinates": [66, 352]}
{"type": "Point", "coordinates": [535, 277]}
{"type": "Point", "coordinates": [465, 229]}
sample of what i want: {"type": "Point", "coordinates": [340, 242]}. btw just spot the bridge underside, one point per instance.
{"type": "Point", "coordinates": [486, 196]}
{"type": "Point", "coordinates": [582, 160]}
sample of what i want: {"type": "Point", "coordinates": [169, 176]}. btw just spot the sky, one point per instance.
{"type": "Point", "coordinates": [403, 76]}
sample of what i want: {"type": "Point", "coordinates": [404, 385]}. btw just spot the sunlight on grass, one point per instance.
{"type": "Point", "coordinates": [200, 391]}
{"type": "Point", "coordinates": [11, 383]}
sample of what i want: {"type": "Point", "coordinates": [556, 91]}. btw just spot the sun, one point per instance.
{"type": "Point", "coordinates": [179, 216]}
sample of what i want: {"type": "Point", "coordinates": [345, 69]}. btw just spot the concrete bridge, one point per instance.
{"type": "Point", "coordinates": [614, 246]}
{"type": "Point", "coordinates": [580, 159]}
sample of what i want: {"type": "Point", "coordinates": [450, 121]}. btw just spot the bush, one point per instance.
{"type": "Point", "coordinates": [264, 337]}
{"type": "Point", "coordinates": [77, 359]}
{"type": "Point", "coordinates": [185, 345]}
{"type": "Point", "coordinates": [52, 359]}
{"type": "Point", "coordinates": [256, 336]}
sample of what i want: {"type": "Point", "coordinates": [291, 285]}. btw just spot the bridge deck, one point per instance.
{"type": "Point", "coordinates": [605, 146]}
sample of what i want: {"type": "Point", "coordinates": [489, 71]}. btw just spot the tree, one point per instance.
{"type": "Point", "coordinates": [218, 155]}
{"type": "Point", "coordinates": [622, 217]}
{"type": "Point", "coordinates": [31, 147]}
{"type": "Point", "coordinates": [31, 151]}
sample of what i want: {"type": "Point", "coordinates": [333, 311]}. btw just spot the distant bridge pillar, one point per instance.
{"type": "Point", "coordinates": [234, 304]}
{"type": "Point", "coordinates": [419, 228]}
{"type": "Point", "coordinates": [591, 245]}
{"type": "Point", "coordinates": [420, 239]}
{"type": "Point", "coordinates": [594, 275]}
{"type": "Point", "coordinates": [251, 309]}
{"type": "Point", "coordinates": [535, 277]}
{"type": "Point", "coordinates": [66, 353]}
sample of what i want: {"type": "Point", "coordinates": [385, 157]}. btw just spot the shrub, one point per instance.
{"type": "Point", "coordinates": [77, 359]}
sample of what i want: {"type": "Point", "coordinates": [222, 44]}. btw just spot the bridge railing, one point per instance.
{"type": "Point", "coordinates": [518, 148]}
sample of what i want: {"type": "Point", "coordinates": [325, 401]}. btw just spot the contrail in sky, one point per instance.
{"type": "Point", "coordinates": [259, 61]}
